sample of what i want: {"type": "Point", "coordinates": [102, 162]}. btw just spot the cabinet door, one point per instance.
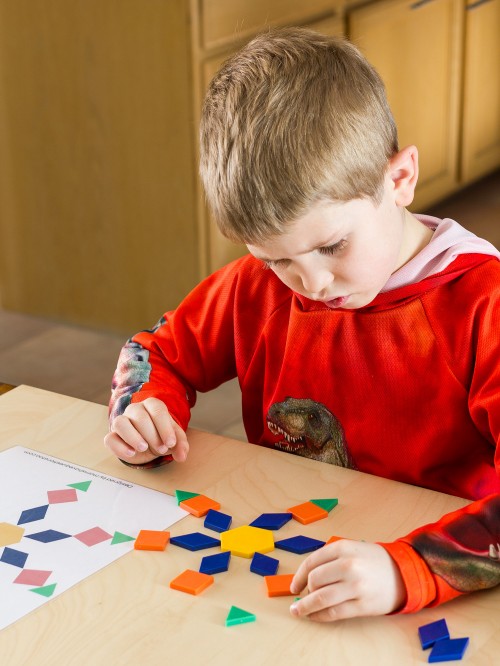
{"type": "Point", "coordinates": [481, 120]}
{"type": "Point", "coordinates": [416, 47]}
{"type": "Point", "coordinates": [97, 219]}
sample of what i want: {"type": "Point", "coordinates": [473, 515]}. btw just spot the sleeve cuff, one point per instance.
{"type": "Point", "coordinates": [156, 462]}
{"type": "Point", "coordinates": [418, 580]}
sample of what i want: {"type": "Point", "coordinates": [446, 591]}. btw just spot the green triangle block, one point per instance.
{"type": "Point", "coordinates": [326, 504]}
{"type": "Point", "coordinates": [46, 591]}
{"type": "Point", "coordinates": [83, 485]}
{"type": "Point", "coordinates": [182, 495]}
{"type": "Point", "coordinates": [121, 538]}
{"type": "Point", "coordinates": [238, 616]}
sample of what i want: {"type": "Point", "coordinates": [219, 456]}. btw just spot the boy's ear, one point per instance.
{"type": "Point", "coordinates": [403, 171]}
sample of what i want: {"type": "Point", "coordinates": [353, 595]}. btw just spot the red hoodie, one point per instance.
{"type": "Point", "coordinates": [407, 388]}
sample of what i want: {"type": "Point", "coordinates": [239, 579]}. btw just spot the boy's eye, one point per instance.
{"type": "Point", "coordinates": [277, 263]}
{"type": "Point", "coordinates": [328, 249]}
{"type": "Point", "coordinates": [332, 249]}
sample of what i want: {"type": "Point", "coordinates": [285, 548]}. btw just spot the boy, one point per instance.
{"type": "Point", "coordinates": [372, 340]}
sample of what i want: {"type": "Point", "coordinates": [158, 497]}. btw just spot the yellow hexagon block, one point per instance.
{"type": "Point", "coordinates": [245, 541]}
{"type": "Point", "coordinates": [10, 534]}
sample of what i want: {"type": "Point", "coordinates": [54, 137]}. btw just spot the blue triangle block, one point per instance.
{"type": "Point", "coordinates": [271, 521]}
{"type": "Point", "coordinates": [212, 564]}
{"type": "Point", "coordinates": [48, 535]}
{"type": "Point", "coordinates": [14, 557]}
{"type": "Point", "coordinates": [30, 515]}
{"type": "Point", "coordinates": [299, 544]}
{"type": "Point", "coordinates": [448, 650]}
{"type": "Point", "coordinates": [264, 565]}
{"type": "Point", "coordinates": [194, 541]}
{"type": "Point", "coordinates": [217, 521]}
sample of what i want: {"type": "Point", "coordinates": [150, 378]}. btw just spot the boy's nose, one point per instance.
{"type": "Point", "coordinates": [316, 283]}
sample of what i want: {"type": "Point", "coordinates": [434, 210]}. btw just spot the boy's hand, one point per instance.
{"type": "Point", "coordinates": [145, 431]}
{"type": "Point", "coordinates": [347, 579]}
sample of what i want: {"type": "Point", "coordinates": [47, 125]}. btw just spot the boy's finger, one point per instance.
{"type": "Point", "coordinates": [343, 611]}
{"type": "Point", "coordinates": [164, 424]}
{"type": "Point", "coordinates": [314, 560]}
{"type": "Point", "coordinates": [123, 427]}
{"type": "Point", "coordinates": [181, 449]}
{"type": "Point", "coordinates": [120, 448]}
{"type": "Point", "coordinates": [321, 600]}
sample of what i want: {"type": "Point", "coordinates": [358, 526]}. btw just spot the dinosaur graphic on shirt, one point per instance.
{"type": "Point", "coordinates": [310, 430]}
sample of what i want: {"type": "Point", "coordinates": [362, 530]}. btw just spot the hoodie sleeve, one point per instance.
{"type": "Point", "coordinates": [190, 349]}
{"type": "Point", "coordinates": [458, 554]}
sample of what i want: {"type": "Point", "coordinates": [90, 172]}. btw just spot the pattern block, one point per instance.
{"type": "Point", "coordinates": [217, 521]}
{"type": "Point", "coordinates": [264, 565]}
{"type": "Point", "coordinates": [48, 535]}
{"type": "Point", "coordinates": [299, 544]}
{"type": "Point", "coordinates": [181, 495]}
{"type": "Point", "coordinates": [332, 539]}
{"type": "Point", "coordinates": [93, 536]}
{"type": "Point", "coordinates": [62, 496]}
{"type": "Point", "coordinates": [212, 564]}
{"type": "Point", "coordinates": [308, 513]}
{"type": "Point", "coordinates": [279, 585]}
{"type": "Point", "coordinates": [433, 632]}
{"type": "Point", "coordinates": [31, 515]}
{"type": "Point", "coordinates": [448, 650]}
{"type": "Point", "coordinates": [14, 557]}
{"type": "Point", "coordinates": [244, 541]}
{"type": "Point", "coordinates": [195, 541]}
{"type": "Point", "coordinates": [327, 503]}
{"type": "Point", "coordinates": [238, 616]}
{"type": "Point", "coordinates": [199, 505]}
{"type": "Point", "coordinates": [192, 582]}
{"type": "Point", "coordinates": [10, 534]}
{"type": "Point", "coordinates": [151, 540]}
{"type": "Point", "coordinates": [271, 521]}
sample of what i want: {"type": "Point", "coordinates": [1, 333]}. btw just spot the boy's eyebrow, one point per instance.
{"type": "Point", "coordinates": [316, 247]}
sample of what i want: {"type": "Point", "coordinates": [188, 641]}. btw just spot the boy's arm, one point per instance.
{"type": "Point", "coordinates": [458, 554]}
{"type": "Point", "coordinates": [189, 349]}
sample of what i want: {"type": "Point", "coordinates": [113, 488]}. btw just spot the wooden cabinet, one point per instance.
{"type": "Point", "coordinates": [440, 61]}
{"type": "Point", "coordinates": [416, 47]}
{"type": "Point", "coordinates": [481, 98]}
{"type": "Point", "coordinates": [102, 221]}
{"type": "Point", "coordinates": [102, 218]}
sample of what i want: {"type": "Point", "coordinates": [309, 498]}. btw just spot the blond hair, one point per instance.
{"type": "Point", "coordinates": [293, 118]}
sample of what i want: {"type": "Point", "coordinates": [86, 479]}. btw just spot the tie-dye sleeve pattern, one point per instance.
{"type": "Point", "coordinates": [131, 374]}
{"type": "Point", "coordinates": [458, 554]}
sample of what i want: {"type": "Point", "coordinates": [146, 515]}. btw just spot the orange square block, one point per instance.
{"type": "Point", "coordinates": [332, 539]}
{"type": "Point", "coordinates": [308, 513]}
{"type": "Point", "coordinates": [279, 585]}
{"type": "Point", "coordinates": [192, 582]}
{"type": "Point", "coordinates": [199, 505]}
{"type": "Point", "coordinates": [151, 540]}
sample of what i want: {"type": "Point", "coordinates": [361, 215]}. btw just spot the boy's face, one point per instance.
{"type": "Point", "coordinates": [341, 253]}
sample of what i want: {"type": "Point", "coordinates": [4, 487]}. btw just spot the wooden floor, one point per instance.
{"type": "Point", "coordinates": [80, 362]}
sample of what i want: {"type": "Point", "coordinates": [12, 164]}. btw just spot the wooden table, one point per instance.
{"type": "Point", "coordinates": [126, 613]}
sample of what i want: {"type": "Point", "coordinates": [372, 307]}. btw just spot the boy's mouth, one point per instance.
{"type": "Point", "coordinates": [338, 302]}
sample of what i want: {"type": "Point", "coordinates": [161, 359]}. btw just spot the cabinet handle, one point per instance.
{"type": "Point", "coordinates": [421, 3]}
{"type": "Point", "coordinates": [478, 3]}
